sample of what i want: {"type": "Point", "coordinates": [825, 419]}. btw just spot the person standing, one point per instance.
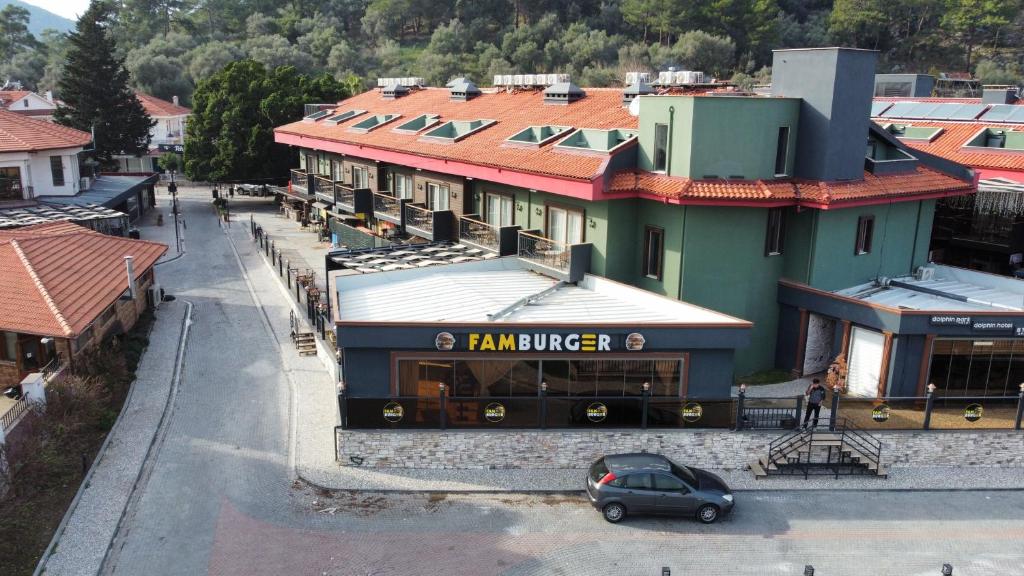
{"type": "Point", "coordinates": [815, 396]}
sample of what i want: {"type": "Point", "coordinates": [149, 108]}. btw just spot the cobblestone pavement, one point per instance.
{"type": "Point", "coordinates": [221, 497]}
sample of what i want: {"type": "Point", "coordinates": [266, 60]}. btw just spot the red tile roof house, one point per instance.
{"type": "Point", "coordinates": [38, 158]}
{"type": "Point", "coordinates": [64, 289]}
{"type": "Point", "coordinates": [28, 103]}
{"type": "Point", "coordinates": [168, 135]}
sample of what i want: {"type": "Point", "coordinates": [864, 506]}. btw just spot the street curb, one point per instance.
{"type": "Point", "coordinates": [179, 362]}
{"type": "Point", "coordinates": [41, 566]}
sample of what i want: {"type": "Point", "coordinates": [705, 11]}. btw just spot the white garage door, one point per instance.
{"type": "Point", "coordinates": [865, 365]}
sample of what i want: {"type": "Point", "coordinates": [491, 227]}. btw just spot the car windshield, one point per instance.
{"type": "Point", "coordinates": [684, 473]}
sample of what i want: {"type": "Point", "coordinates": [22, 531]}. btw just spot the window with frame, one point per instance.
{"type": "Point", "coordinates": [438, 196]}
{"type": "Point", "coordinates": [10, 183]}
{"type": "Point", "coordinates": [500, 209]}
{"type": "Point", "coordinates": [660, 147]}
{"type": "Point", "coordinates": [360, 177]}
{"type": "Point", "coordinates": [654, 251]}
{"type": "Point", "coordinates": [865, 230]}
{"type": "Point", "coordinates": [782, 152]}
{"type": "Point", "coordinates": [57, 170]}
{"type": "Point", "coordinates": [400, 185]}
{"type": "Point", "coordinates": [565, 225]}
{"type": "Point", "coordinates": [9, 346]}
{"type": "Point", "coordinates": [776, 231]}
{"type": "Point", "coordinates": [337, 171]}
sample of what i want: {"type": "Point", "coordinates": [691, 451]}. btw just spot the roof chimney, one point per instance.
{"type": "Point", "coordinates": [998, 94]}
{"type": "Point", "coordinates": [563, 93]}
{"type": "Point", "coordinates": [835, 86]}
{"type": "Point", "coordinates": [463, 91]}
{"type": "Point", "coordinates": [129, 267]}
{"type": "Point", "coordinates": [174, 99]}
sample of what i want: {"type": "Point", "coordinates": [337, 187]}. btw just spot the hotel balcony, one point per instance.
{"type": "Point", "coordinates": [322, 188]}
{"type": "Point", "coordinates": [501, 240]}
{"type": "Point", "coordinates": [567, 261]}
{"type": "Point", "coordinates": [388, 208]}
{"type": "Point", "coordinates": [429, 224]}
{"type": "Point", "coordinates": [299, 180]}
{"type": "Point", "coordinates": [352, 200]}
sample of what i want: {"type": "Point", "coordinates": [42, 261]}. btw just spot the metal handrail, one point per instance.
{"type": "Point", "coordinates": [387, 204]}
{"type": "Point", "coordinates": [419, 217]}
{"type": "Point", "coordinates": [299, 178]}
{"type": "Point", "coordinates": [479, 233]}
{"type": "Point", "coordinates": [14, 414]}
{"type": "Point", "coordinates": [543, 251]}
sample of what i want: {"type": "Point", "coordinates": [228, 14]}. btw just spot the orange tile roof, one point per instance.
{"type": "Point", "coordinates": [922, 181]}
{"type": "Point", "coordinates": [56, 278]}
{"type": "Point", "coordinates": [23, 134]}
{"type": "Point", "coordinates": [601, 108]}
{"type": "Point", "coordinates": [8, 96]}
{"type": "Point", "coordinates": [157, 107]}
{"type": "Point", "coordinates": [954, 135]}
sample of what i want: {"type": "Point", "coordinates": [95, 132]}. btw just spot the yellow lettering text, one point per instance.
{"type": "Point", "coordinates": [507, 342]}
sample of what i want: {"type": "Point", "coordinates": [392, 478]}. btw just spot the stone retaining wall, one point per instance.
{"type": "Point", "coordinates": [701, 448]}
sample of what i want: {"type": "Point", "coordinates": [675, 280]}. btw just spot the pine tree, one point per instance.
{"type": "Point", "coordinates": [95, 90]}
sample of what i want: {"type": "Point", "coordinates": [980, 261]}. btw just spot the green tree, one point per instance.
{"type": "Point", "coordinates": [698, 50]}
{"type": "Point", "coordinates": [169, 161]}
{"type": "Point", "coordinates": [158, 68]}
{"type": "Point", "coordinates": [972, 22]}
{"type": "Point", "coordinates": [14, 34]}
{"type": "Point", "coordinates": [95, 90]}
{"type": "Point", "coordinates": [230, 135]}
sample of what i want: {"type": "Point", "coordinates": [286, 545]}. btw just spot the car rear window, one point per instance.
{"type": "Point", "coordinates": [684, 473]}
{"type": "Point", "coordinates": [598, 470]}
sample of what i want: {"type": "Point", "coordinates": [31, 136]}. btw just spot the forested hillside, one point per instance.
{"type": "Point", "coordinates": [171, 45]}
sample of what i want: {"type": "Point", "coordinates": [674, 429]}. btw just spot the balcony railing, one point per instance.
{"type": "Point", "coordinates": [479, 233]}
{"type": "Point", "coordinates": [420, 218]}
{"type": "Point", "coordinates": [544, 251]}
{"type": "Point", "coordinates": [387, 206]}
{"type": "Point", "coordinates": [300, 180]}
{"type": "Point", "coordinates": [323, 185]}
{"type": "Point", "coordinates": [344, 196]}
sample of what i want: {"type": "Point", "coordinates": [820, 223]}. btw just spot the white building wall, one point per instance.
{"type": "Point", "coordinates": [36, 177]}
{"type": "Point", "coordinates": [169, 129]}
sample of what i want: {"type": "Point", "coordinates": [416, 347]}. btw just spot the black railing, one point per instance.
{"type": "Point", "coordinates": [386, 205]}
{"type": "Point", "coordinates": [844, 450]}
{"type": "Point", "coordinates": [420, 218]}
{"type": "Point", "coordinates": [478, 233]}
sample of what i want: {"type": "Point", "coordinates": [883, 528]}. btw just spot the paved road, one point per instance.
{"type": "Point", "coordinates": [220, 498]}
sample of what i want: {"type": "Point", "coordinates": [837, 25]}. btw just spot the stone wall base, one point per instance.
{"type": "Point", "coordinates": [716, 449]}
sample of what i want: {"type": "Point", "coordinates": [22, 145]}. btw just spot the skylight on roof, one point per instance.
{"type": "Point", "coordinates": [596, 140]}
{"type": "Point", "coordinates": [316, 116]}
{"type": "Point", "coordinates": [373, 122]}
{"type": "Point", "coordinates": [455, 130]}
{"type": "Point", "coordinates": [421, 122]}
{"type": "Point", "coordinates": [997, 139]}
{"type": "Point", "coordinates": [339, 118]}
{"type": "Point", "coordinates": [536, 136]}
{"type": "Point", "coordinates": [910, 132]}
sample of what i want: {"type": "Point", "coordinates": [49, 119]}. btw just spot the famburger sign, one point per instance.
{"type": "Point", "coordinates": [536, 342]}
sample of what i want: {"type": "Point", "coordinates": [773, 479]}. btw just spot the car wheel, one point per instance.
{"type": "Point", "coordinates": [707, 513]}
{"type": "Point", "coordinates": [614, 512]}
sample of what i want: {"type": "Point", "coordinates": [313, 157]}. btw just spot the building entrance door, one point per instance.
{"type": "Point", "coordinates": [865, 364]}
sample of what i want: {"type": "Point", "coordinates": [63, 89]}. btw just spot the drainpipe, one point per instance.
{"type": "Point", "coordinates": [668, 145]}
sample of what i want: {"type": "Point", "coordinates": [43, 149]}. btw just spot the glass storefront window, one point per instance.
{"type": "Point", "coordinates": [522, 377]}
{"type": "Point", "coordinates": [981, 367]}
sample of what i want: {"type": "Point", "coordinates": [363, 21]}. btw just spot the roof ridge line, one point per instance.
{"type": "Point", "coordinates": [42, 288]}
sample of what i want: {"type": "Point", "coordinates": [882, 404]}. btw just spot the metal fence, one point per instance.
{"type": "Point", "coordinates": [420, 218]}
{"type": "Point", "coordinates": [478, 233]}
{"type": "Point", "coordinates": [738, 413]}
{"type": "Point", "coordinates": [387, 205]}
{"type": "Point", "coordinates": [14, 414]}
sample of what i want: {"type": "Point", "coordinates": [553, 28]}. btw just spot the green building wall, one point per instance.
{"type": "Point", "coordinates": [719, 136]}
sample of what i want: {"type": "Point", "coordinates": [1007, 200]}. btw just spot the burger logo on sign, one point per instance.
{"type": "Point", "coordinates": [494, 412]}
{"type": "Point", "coordinates": [692, 412]}
{"type": "Point", "coordinates": [444, 341]}
{"type": "Point", "coordinates": [973, 412]}
{"type": "Point", "coordinates": [880, 413]}
{"type": "Point", "coordinates": [393, 412]}
{"type": "Point", "coordinates": [597, 412]}
{"type": "Point", "coordinates": [635, 342]}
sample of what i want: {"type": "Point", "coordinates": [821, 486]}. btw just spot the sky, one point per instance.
{"type": "Point", "coordinates": [69, 9]}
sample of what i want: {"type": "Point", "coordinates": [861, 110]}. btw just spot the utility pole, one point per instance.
{"type": "Point", "coordinates": [173, 189]}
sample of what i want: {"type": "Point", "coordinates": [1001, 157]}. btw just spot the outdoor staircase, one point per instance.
{"type": "Point", "coordinates": [846, 450]}
{"type": "Point", "coordinates": [305, 343]}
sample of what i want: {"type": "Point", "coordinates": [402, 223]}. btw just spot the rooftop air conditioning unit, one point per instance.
{"type": "Point", "coordinates": [632, 78]}
{"type": "Point", "coordinates": [681, 77]}
{"type": "Point", "coordinates": [506, 79]}
{"type": "Point", "coordinates": [498, 80]}
{"type": "Point", "coordinates": [562, 77]}
{"type": "Point", "coordinates": [645, 77]}
{"type": "Point", "coordinates": [924, 273]}
{"type": "Point", "coordinates": [550, 79]}
{"type": "Point", "coordinates": [529, 79]}
{"type": "Point", "coordinates": [517, 79]}
{"type": "Point", "coordinates": [664, 78]}
{"type": "Point", "coordinates": [540, 79]}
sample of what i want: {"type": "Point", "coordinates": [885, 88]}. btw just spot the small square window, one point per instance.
{"type": "Point", "coordinates": [865, 230]}
{"type": "Point", "coordinates": [654, 252]}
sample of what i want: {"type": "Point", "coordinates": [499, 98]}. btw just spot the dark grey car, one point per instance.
{"type": "Point", "coordinates": [622, 484]}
